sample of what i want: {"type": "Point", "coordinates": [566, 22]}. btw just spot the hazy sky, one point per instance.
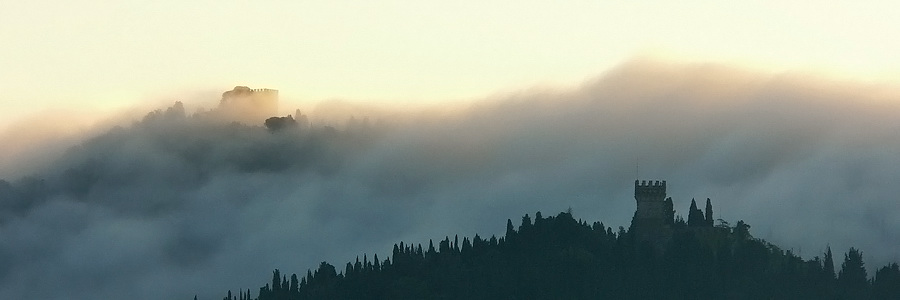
{"type": "Point", "coordinates": [793, 127]}
{"type": "Point", "coordinates": [99, 55]}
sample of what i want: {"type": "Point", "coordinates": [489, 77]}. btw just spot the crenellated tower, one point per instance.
{"type": "Point", "coordinates": [653, 218]}
{"type": "Point", "coordinates": [650, 197]}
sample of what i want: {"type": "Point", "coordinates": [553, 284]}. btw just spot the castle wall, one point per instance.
{"type": "Point", "coordinates": [249, 106]}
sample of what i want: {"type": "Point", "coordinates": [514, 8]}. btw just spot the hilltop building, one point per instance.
{"type": "Point", "coordinates": [248, 106]}
{"type": "Point", "coordinates": [654, 219]}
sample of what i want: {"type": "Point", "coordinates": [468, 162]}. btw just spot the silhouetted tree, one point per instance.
{"type": "Point", "coordinates": [669, 211]}
{"type": "Point", "coordinates": [828, 266]}
{"type": "Point", "coordinates": [295, 284]}
{"type": "Point", "coordinates": [559, 257]}
{"type": "Point", "coordinates": [695, 216]}
{"type": "Point", "coordinates": [852, 278]}
{"type": "Point", "coordinates": [709, 213]}
{"type": "Point", "coordinates": [279, 123]}
{"type": "Point", "coordinates": [526, 223]}
{"type": "Point", "coordinates": [886, 284]}
{"type": "Point", "coordinates": [276, 280]}
{"type": "Point", "coordinates": [742, 231]}
{"type": "Point", "coordinates": [510, 230]}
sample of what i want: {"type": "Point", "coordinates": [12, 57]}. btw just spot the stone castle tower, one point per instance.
{"type": "Point", "coordinates": [249, 106]}
{"type": "Point", "coordinates": [650, 197]}
{"type": "Point", "coordinates": [653, 218]}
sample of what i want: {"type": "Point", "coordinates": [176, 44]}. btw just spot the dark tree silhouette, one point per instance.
{"type": "Point", "coordinates": [279, 123]}
{"type": "Point", "coordinates": [886, 284]}
{"type": "Point", "coordinates": [560, 257]}
{"type": "Point", "coordinates": [669, 211]}
{"type": "Point", "coordinates": [852, 278]}
{"type": "Point", "coordinates": [829, 264]}
{"type": "Point", "coordinates": [695, 216]}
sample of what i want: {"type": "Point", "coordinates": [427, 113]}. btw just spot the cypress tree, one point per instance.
{"type": "Point", "coordinates": [709, 213]}
{"type": "Point", "coordinates": [466, 246]}
{"type": "Point", "coordinates": [829, 264]}
{"type": "Point", "coordinates": [510, 230]}
{"type": "Point", "coordinates": [695, 216]}
{"type": "Point", "coordinates": [276, 280]}
{"type": "Point", "coordinates": [526, 222]}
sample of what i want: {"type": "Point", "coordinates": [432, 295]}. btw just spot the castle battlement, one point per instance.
{"type": "Point", "coordinates": [266, 91]}
{"type": "Point", "coordinates": [650, 197]}
{"type": "Point", "coordinates": [651, 183]}
{"type": "Point", "coordinates": [650, 188]}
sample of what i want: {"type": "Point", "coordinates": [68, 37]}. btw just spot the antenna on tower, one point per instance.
{"type": "Point", "coordinates": [636, 167]}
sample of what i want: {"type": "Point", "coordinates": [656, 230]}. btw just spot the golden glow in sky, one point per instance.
{"type": "Point", "coordinates": [113, 54]}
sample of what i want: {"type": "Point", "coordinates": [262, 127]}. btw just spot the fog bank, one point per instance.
{"type": "Point", "coordinates": [175, 205]}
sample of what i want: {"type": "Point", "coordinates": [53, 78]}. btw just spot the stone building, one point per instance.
{"type": "Point", "coordinates": [652, 222]}
{"type": "Point", "coordinates": [248, 106]}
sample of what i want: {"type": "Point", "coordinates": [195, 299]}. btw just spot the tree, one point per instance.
{"type": "Point", "coordinates": [510, 230]}
{"type": "Point", "coordinates": [669, 211]}
{"type": "Point", "coordinates": [562, 258]}
{"type": "Point", "coordinates": [278, 123]}
{"type": "Point", "coordinates": [829, 264]}
{"type": "Point", "coordinates": [852, 278]}
{"type": "Point", "coordinates": [742, 231]}
{"type": "Point", "coordinates": [709, 213]}
{"type": "Point", "coordinates": [295, 284]}
{"type": "Point", "coordinates": [695, 216]}
{"type": "Point", "coordinates": [526, 223]}
{"type": "Point", "coordinates": [886, 284]}
{"type": "Point", "coordinates": [276, 280]}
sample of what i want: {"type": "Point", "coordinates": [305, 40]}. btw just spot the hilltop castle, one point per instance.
{"type": "Point", "coordinates": [654, 219]}
{"type": "Point", "coordinates": [249, 106]}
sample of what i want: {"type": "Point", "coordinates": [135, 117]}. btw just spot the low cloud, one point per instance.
{"type": "Point", "coordinates": [179, 205]}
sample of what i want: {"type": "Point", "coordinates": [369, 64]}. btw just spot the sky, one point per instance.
{"type": "Point", "coordinates": [99, 56]}
{"type": "Point", "coordinates": [785, 114]}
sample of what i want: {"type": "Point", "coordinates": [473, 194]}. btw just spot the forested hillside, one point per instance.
{"type": "Point", "coordinates": [563, 258]}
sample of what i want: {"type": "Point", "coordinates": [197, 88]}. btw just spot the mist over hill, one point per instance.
{"type": "Point", "coordinates": [174, 204]}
